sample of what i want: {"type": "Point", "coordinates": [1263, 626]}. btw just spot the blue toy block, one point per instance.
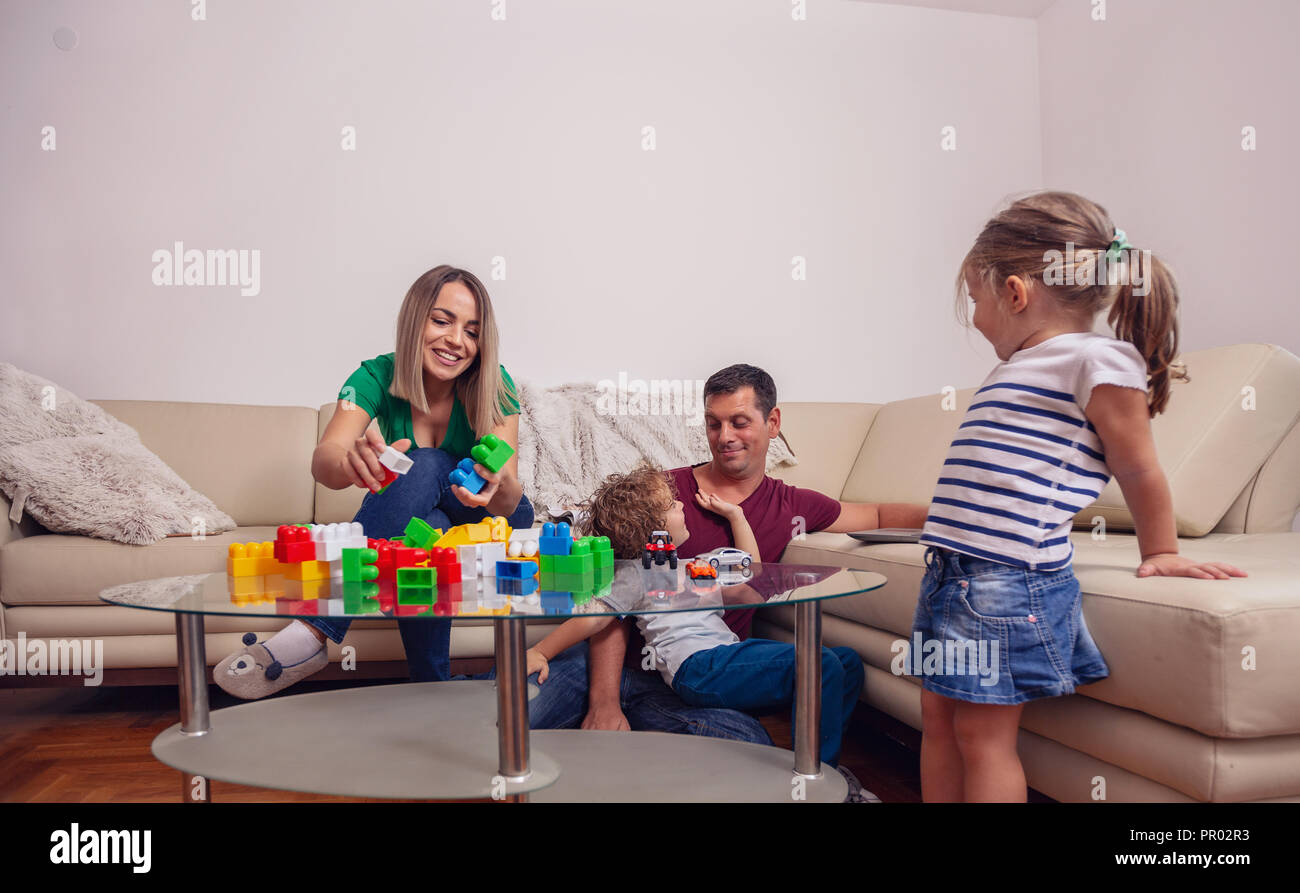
{"type": "Point", "coordinates": [521, 586]}
{"type": "Point", "coordinates": [515, 570]}
{"type": "Point", "coordinates": [556, 539]}
{"type": "Point", "coordinates": [463, 475]}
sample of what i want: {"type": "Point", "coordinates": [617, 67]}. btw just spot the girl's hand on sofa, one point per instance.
{"type": "Point", "coordinates": [361, 463]}
{"type": "Point", "coordinates": [1173, 565]}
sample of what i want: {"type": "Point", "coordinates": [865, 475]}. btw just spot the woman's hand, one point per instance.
{"type": "Point", "coordinates": [482, 497]}
{"type": "Point", "coordinates": [537, 664]}
{"type": "Point", "coordinates": [710, 502]}
{"type": "Point", "coordinates": [361, 462]}
{"type": "Point", "coordinates": [1174, 565]}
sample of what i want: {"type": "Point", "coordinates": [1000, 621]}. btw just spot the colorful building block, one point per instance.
{"type": "Point", "coordinates": [492, 453]}
{"type": "Point", "coordinates": [293, 544]}
{"type": "Point", "coordinates": [331, 539]}
{"type": "Point", "coordinates": [556, 539]}
{"type": "Point", "coordinates": [516, 586]}
{"type": "Point", "coordinates": [523, 548]}
{"type": "Point", "coordinates": [307, 570]}
{"type": "Point", "coordinates": [602, 553]}
{"type": "Point", "coordinates": [359, 565]}
{"type": "Point", "coordinates": [515, 569]}
{"type": "Point", "coordinates": [395, 464]}
{"type": "Point", "coordinates": [480, 559]}
{"type": "Point", "coordinates": [447, 562]}
{"type": "Point", "coordinates": [464, 475]}
{"type": "Point", "coordinates": [466, 535]}
{"type": "Point", "coordinates": [416, 585]}
{"type": "Point", "coordinates": [420, 534]}
{"type": "Point", "coordinates": [251, 559]}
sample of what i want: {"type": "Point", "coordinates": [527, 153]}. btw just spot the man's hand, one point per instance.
{"type": "Point", "coordinates": [537, 664]}
{"type": "Point", "coordinates": [1173, 565]}
{"type": "Point", "coordinates": [606, 717]}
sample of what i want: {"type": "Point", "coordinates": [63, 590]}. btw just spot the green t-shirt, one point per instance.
{"type": "Point", "coordinates": [369, 390]}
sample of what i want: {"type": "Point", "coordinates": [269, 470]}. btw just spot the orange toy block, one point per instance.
{"type": "Point", "coordinates": [251, 560]}
{"type": "Point", "coordinates": [307, 570]}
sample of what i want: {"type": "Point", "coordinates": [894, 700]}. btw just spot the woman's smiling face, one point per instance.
{"type": "Point", "coordinates": [452, 332]}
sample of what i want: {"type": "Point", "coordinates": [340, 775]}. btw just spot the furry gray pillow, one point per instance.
{"type": "Point", "coordinates": [76, 469]}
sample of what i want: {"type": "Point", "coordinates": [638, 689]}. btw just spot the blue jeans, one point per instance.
{"type": "Point", "coordinates": [423, 492]}
{"type": "Point", "coordinates": [648, 703]}
{"type": "Point", "coordinates": [758, 674]}
{"type": "Point", "coordinates": [1006, 635]}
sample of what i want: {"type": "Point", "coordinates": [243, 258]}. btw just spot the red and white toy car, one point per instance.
{"type": "Point", "coordinates": [659, 549]}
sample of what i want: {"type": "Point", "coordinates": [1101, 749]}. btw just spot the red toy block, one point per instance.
{"type": "Point", "coordinates": [387, 571]}
{"type": "Point", "coordinates": [447, 561]}
{"type": "Point", "coordinates": [405, 556]}
{"type": "Point", "coordinates": [293, 544]}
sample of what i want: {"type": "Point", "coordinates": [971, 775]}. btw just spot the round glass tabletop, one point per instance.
{"type": "Point", "coordinates": [627, 588]}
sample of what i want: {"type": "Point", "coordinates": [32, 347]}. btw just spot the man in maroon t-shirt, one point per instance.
{"type": "Point", "coordinates": [742, 417]}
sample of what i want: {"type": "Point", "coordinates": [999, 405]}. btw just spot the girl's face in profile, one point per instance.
{"type": "Point", "coordinates": [452, 332]}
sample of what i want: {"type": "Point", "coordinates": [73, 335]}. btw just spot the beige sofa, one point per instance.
{"type": "Point", "coordinates": [1182, 717]}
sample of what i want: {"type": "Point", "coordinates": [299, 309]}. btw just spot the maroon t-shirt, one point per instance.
{"type": "Point", "coordinates": [770, 511]}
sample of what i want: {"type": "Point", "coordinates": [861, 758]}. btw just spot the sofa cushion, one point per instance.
{"type": "Point", "coordinates": [55, 569]}
{"type": "Point", "coordinates": [826, 438]}
{"type": "Point", "coordinates": [1211, 442]}
{"type": "Point", "coordinates": [1217, 656]}
{"type": "Point", "coordinates": [254, 462]}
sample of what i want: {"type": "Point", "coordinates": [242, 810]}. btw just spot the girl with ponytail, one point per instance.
{"type": "Point", "coordinates": [1065, 410]}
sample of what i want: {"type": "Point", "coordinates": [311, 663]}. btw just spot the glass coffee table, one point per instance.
{"type": "Point", "coordinates": [469, 739]}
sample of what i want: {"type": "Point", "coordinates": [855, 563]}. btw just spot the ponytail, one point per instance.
{"type": "Point", "coordinates": [1149, 322]}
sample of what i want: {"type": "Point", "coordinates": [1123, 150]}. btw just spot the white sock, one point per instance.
{"type": "Point", "coordinates": [293, 644]}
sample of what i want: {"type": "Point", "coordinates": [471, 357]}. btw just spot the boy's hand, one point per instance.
{"type": "Point", "coordinates": [1174, 565]}
{"type": "Point", "coordinates": [710, 502]}
{"type": "Point", "coordinates": [537, 664]}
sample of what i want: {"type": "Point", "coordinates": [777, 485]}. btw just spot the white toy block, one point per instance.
{"type": "Point", "coordinates": [480, 559]}
{"type": "Point", "coordinates": [395, 461]}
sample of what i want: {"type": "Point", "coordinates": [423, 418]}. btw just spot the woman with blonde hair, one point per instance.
{"type": "Point", "coordinates": [432, 399]}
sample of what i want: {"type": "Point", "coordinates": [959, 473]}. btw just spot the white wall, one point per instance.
{"type": "Point", "coordinates": [1144, 113]}
{"type": "Point", "coordinates": [520, 138]}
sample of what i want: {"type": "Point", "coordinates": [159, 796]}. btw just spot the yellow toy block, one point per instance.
{"type": "Point", "coordinates": [307, 570]}
{"type": "Point", "coordinates": [500, 529]}
{"type": "Point", "coordinates": [251, 560]}
{"type": "Point", "coordinates": [254, 590]}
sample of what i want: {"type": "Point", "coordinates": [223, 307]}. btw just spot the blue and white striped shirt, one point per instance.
{"type": "Point", "coordinates": [1026, 459]}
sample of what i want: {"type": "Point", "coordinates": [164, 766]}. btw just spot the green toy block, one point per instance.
{"type": "Point", "coordinates": [602, 553]}
{"type": "Point", "coordinates": [360, 597]}
{"type": "Point", "coordinates": [419, 535]}
{"type": "Point", "coordinates": [417, 595]}
{"type": "Point", "coordinates": [415, 585]}
{"type": "Point", "coordinates": [491, 452]}
{"type": "Point", "coordinates": [359, 565]}
{"type": "Point", "coordinates": [416, 578]}
{"type": "Point", "coordinates": [584, 582]}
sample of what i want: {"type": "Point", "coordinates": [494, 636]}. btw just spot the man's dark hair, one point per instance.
{"type": "Point", "coordinates": [742, 375]}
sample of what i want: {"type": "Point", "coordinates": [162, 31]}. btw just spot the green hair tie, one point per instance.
{"type": "Point", "coordinates": [1117, 245]}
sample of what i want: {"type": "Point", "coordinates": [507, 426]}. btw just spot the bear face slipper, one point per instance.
{"type": "Point", "coordinates": [253, 672]}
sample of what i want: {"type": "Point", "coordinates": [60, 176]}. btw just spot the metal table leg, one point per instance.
{"type": "Point", "coordinates": [512, 699]}
{"type": "Point", "coordinates": [192, 669]}
{"type": "Point", "coordinates": [808, 688]}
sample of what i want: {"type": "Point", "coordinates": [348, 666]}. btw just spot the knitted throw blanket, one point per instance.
{"type": "Point", "coordinates": [570, 441]}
